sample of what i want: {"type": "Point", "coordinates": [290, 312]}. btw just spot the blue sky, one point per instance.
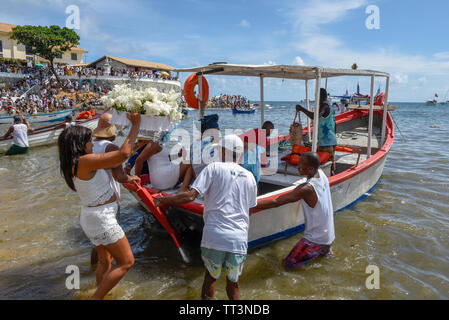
{"type": "Point", "coordinates": [411, 44]}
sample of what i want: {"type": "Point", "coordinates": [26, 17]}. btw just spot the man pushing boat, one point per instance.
{"type": "Point", "coordinates": [229, 191]}
{"type": "Point", "coordinates": [318, 212]}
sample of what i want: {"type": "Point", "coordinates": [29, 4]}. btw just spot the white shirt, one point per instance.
{"type": "Point", "coordinates": [229, 191]}
{"type": "Point", "coordinates": [320, 219]}
{"type": "Point", "coordinates": [20, 135]}
{"type": "Point", "coordinates": [99, 147]}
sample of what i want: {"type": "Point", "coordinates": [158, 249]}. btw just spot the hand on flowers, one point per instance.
{"type": "Point", "coordinates": [134, 118]}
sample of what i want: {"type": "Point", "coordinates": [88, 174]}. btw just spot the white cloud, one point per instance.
{"type": "Point", "coordinates": [442, 55]}
{"type": "Point", "coordinates": [399, 78]}
{"type": "Point", "coordinates": [298, 61]}
{"type": "Point", "coordinates": [244, 24]}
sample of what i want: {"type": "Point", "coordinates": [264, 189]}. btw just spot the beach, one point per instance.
{"type": "Point", "coordinates": [401, 227]}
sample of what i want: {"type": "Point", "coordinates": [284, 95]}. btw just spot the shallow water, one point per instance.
{"type": "Point", "coordinates": [402, 227]}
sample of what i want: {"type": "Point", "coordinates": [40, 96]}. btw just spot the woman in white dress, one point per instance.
{"type": "Point", "coordinates": [84, 172]}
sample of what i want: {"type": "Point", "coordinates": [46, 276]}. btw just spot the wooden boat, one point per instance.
{"type": "Point", "coordinates": [41, 117]}
{"type": "Point", "coordinates": [236, 111]}
{"type": "Point", "coordinates": [367, 136]}
{"type": "Point", "coordinates": [46, 135]}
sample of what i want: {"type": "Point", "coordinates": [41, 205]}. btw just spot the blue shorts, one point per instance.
{"type": "Point", "coordinates": [215, 261]}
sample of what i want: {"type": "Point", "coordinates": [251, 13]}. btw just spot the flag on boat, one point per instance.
{"type": "Point", "coordinates": [346, 93]}
{"type": "Point", "coordinates": [436, 95]}
{"type": "Point", "coordinates": [378, 92]}
{"type": "Point", "coordinates": [358, 88]}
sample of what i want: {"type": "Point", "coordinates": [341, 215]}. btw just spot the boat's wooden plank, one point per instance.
{"type": "Point", "coordinates": [357, 107]}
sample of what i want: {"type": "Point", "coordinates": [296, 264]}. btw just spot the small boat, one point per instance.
{"type": "Point", "coordinates": [46, 135]}
{"type": "Point", "coordinates": [41, 117]}
{"type": "Point", "coordinates": [431, 102]}
{"type": "Point", "coordinates": [364, 138]}
{"type": "Point", "coordinates": [234, 111]}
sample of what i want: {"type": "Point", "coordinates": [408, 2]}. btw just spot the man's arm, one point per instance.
{"type": "Point", "coordinates": [8, 133]}
{"type": "Point", "coordinates": [306, 112]}
{"type": "Point", "coordinates": [180, 198]}
{"type": "Point", "coordinates": [27, 124]}
{"type": "Point", "coordinates": [300, 192]}
{"type": "Point", "coordinates": [118, 173]}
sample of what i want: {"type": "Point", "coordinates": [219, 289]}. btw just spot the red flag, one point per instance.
{"type": "Point", "coordinates": [436, 95]}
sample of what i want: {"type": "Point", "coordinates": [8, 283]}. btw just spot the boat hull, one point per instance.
{"type": "Point", "coordinates": [45, 117]}
{"type": "Point", "coordinates": [45, 137]}
{"type": "Point", "coordinates": [347, 188]}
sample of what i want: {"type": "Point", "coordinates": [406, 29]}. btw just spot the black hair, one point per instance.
{"type": "Point", "coordinates": [72, 145]}
{"type": "Point", "coordinates": [323, 95]}
{"type": "Point", "coordinates": [17, 119]}
{"type": "Point", "coordinates": [68, 118]}
{"type": "Point", "coordinates": [267, 123]}
{"type": "Point", "coordinates": [312, 159]}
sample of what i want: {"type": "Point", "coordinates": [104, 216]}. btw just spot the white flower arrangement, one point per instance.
{"type": "Point", "coordinates": [160, 111]}
{"type": "Point", "coordinates": [150, 102]}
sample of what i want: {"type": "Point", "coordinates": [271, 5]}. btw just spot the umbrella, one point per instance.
{"type": "Point", "coordinates": [38, 65]}
{"type": "Point", "coordinates": [165, 74]}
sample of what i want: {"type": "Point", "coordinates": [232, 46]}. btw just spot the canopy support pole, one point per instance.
{"type": "Point", "coordinates": [308, 108]}
{"type": "Point", "coordinates": [370, 120]}
{"type": "Point", "coordinates": [316, 112]}
{"type": "Point", "coordinates": [200, 96]}
{"type": "Point", "coordinates": [384, 117]}
{"type": "Point", "coordinates": [262, 103]}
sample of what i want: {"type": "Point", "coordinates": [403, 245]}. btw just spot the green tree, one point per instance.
{"type": "Point", "coordinates": [46, 42]}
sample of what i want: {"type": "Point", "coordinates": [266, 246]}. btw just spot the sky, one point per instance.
{"type": "Point", "coordinates": [411, 43]}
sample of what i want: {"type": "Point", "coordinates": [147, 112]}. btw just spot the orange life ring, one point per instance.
{"type": "Point", "coordinates": [189, 90]}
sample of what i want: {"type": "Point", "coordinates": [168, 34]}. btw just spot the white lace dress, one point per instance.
{"type": "Point", "coordinates": [99, 223]}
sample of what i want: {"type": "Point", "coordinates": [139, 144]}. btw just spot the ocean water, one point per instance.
{"type": "Point", "coordinates": [402, 228]}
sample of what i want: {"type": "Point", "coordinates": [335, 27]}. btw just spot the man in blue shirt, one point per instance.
{"type": "Point", "coordinates": [327, 139]}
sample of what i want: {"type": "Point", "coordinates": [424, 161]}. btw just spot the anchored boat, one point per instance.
{"type": "Point", "coordinates": [365, 138]}
{"type": "Point", "coordinates": [46, 135]}
{"type": "Point", "coordinates": [249, 111]}
{"type": "Point", "coordinates": [42, 117]}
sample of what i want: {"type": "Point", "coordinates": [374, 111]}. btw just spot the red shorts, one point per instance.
{"type": "Point", "coordinates": [304, 252]}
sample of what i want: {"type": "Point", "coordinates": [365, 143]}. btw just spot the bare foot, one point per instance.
{"type": "Point", "coordinates": [183, 189]}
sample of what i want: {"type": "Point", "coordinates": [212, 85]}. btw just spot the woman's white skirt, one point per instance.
{"type": "Point", "coordinates": [100, 224]}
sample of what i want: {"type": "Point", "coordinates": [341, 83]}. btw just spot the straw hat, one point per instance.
{"type": "Point", "coordinates": [104, 128]}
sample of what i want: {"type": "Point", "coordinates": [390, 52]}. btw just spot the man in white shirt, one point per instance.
{"type": "Point", "coordinates": [318, 212]}
{"type": "Point", "coordinates": [229, 192]}
{"type": "Point", "coordinates": [19, 132]}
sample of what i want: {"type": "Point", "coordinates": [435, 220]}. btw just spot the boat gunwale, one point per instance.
{"type": "Point", "coordinates": [197, 208]}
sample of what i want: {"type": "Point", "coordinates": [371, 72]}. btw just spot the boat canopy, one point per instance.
{"type": "Point", "coordinates": [296, 72]}
{"type": "Point", "coordinates": [279, 71]}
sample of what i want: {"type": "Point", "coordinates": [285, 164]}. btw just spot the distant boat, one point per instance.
{"type": "Point", "coordinates": [431, 102]}
{"type": "Point", "coordinates": [40, 117]}
{"type": "Point", "coordinates": [234, 111]}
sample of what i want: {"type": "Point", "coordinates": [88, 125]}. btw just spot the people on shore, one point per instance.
{"type": "Point", "coordinates": [318, 212]}
{"type": "Point", "coordinates": [230, 101]}
{"type": "Point", "coordinates": [85, 172]}
{"type": "Point", "coordinates": [229, 192]}
{"type": "Point", "coordinates": [327, 138]}
{"type": "Point", "coordinates": [19, 131]}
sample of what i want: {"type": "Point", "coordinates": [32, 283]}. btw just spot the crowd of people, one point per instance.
{"type": "Point", "coordinates": [50, 96]}
{"type": "Point", "coordinates": [230, 101]}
